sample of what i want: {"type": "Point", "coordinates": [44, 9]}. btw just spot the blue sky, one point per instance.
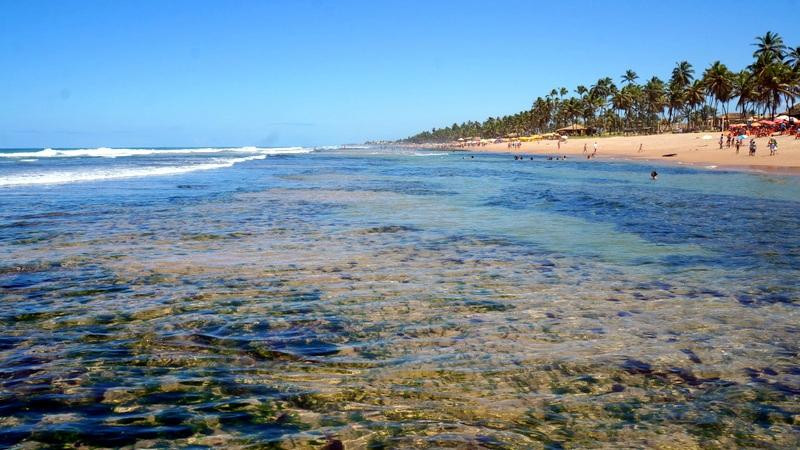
{"type": "Point", "coordinates": [197, 73]}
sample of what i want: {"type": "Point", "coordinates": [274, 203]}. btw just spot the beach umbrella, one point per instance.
{"type": "Point", "coordinates": [755, 124]}
{"type": "Point", "coordinates": [741, 137]}
{"type": "Point", "coordinates": [782, 117]}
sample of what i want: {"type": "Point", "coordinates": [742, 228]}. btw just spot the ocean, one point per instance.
{"type": "Point", "coordinates": [394, 298]}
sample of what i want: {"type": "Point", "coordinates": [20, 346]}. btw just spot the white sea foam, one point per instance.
{"type": "Point", "coordinates": [429, 154]}
{"type": "Point", "coordinates": [343, 147]}
{"type": "Point", "coordinates": [59, 177]}
{"type": "Point", "coordinates": [105, 152]}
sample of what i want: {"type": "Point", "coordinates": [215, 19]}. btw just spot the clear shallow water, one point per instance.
{"type": "Point", "coordinates": [397, 299]}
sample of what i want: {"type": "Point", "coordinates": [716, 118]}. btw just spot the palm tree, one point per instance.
{"type": "Point", "coordinates": [572, 109]}
{"type": "Point", "coordinates": [682, 74]}
{"type": "Point", "coordinates": [718, 82]}
{"type": "Point", "coordinates": [744, 88]}
{"type": "Point", "coordinates": [675, 96]}
{"type": "Point", "coordinates": [623, 100]}
{"type": "Point", "coordinates": [655, 97]}
{"type": "Point", "coordinates": [694, 97]}
{"type": "Point", "coordinates": [774, 80]}
{"type": "Point", "coordinates": [600, 92]}
{"type": "Point", "coordinates": [592, 102]}
{"type": "Point", "coordinates": [772, 77]}
{"type": "Point", "coordinates": [770, 45]}
{"type": "Point", "coordinates": [629, 76]}
{"type": "Point", "coordinates": [793, 57]}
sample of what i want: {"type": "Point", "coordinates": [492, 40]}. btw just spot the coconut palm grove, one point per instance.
{"type": "Point", "coordinates": [688, 100]}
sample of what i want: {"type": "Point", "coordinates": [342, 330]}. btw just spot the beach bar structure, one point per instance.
{"type": "Point", "coordinates": [575, 129]}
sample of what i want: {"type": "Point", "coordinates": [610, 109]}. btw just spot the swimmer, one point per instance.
{"type": "Point", "coordinates": [653, 175]}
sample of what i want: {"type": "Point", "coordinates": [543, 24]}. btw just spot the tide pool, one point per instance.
{"type": "Point", "coordinates": [393, 298]}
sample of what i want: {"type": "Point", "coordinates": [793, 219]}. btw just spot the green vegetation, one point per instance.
{"type": "Point", "coordinates": [684, 101]}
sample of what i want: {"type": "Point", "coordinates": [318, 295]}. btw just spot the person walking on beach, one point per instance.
{"type": "Point", "coordinates": [752, 147]}
{"type": "Point", "coordinates": [738, 143]}
{"type": "Point", "coordinates": [640, 148]}
{"type": "Point", "coordinates": [773, 147]}
{"type": "Point", "coordinates": [721, 140]}
{"type": "Point", "coordinates": [584, 147]}
{"type": "Point", "coordinates": [595, 148]}
{"type": "Point", "coordinates": [728, 141]}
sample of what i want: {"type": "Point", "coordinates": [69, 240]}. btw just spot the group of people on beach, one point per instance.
{"type": "Point", "coordinates": [549, 158]}
{"type": "Point", "coordinates": [586, 150]}
{"type": "Point", "coordinates": [772, 144]}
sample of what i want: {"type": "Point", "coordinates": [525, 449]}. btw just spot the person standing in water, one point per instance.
{"type": "Point", "coordinates": [653, 175]}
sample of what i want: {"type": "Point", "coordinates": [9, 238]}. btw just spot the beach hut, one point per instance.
{"type": "Point", "coordinates": [725, 119]}
{"type": "Point", "coordinates": [575, 129]}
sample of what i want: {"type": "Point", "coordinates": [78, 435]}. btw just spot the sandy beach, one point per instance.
{"type": "Point", "coordinates": [689, 149]}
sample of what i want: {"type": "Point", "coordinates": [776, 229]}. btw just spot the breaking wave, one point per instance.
{"type": "Point", "coordinates": [106, 152]}
{"type": "Point", "coordinates": [59, 177]}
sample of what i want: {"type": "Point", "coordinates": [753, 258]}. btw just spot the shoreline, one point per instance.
{"type": "Point", "coordinates": [698, 150]}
